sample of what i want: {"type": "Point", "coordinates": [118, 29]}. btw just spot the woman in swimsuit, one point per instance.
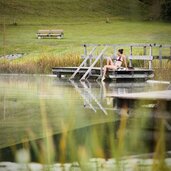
{"type": "Point", "coordinates": [121, 58]}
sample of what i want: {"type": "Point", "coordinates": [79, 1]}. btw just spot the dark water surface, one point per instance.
{"type": "Point", "coordinates": [67, 119]}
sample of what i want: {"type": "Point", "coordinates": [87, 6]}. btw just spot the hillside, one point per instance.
{"type": "Point", "coordinates": [82, 21]}
{"type": "Point", "coordinates": [36, 10]}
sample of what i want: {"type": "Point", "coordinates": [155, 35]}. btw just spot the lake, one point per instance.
{"type": "Point", "coordinates": [58, 120]}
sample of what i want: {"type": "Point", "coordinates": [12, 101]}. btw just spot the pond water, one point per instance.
{"type": "Point", "coordinates": [67, 120]}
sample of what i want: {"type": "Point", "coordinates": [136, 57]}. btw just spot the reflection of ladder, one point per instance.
{"type": "Point", "coordinates": [93, 97]}
{"type": "Point", "coordinates": [91, 66]}
{"type": "Point", "coordinates": [82, 95]}
{"type": "Point", "coordinates": [87, 96]}
{"type": "Point", "coordinates": [83, 63]}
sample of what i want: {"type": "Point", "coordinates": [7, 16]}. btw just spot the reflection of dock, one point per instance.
{"type": "Point", "coordinates": [99, 99]}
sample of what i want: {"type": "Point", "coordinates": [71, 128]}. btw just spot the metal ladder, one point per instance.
{"type": "Point", "coordinates": [93, 64]}
{"type": "Point", "coordinates": [83, 63]}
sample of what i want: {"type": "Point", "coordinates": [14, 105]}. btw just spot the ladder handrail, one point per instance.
{"type": "Point", "coordinates": [93, 64]}
{"type": "Point", "coordinates": [84, 61]}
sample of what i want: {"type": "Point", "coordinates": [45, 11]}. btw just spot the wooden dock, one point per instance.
{"type": "Point", "coordinates": [95, 54]}
{"type": "Point", "coordinates": [156, 95]}
{"type": "Point", "coordinates": [145, 98]}
{"type": "Point", "coordinates": [120, 74]}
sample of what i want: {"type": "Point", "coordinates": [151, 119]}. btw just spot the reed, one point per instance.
{"type": "Point", "coordinates": [44, 63]}
{"type": "Point", "coordinates": [41, 65]}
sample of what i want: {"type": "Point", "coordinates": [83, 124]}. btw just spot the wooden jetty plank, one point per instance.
{"type": "Point", "coordinates": [71, 69]}
{"type": "Point", "coordinates": [156, 99]}
{"type": "Point", "coordinates": [96, 71]}
{"type": "Point", "coordinates": [155, 95]}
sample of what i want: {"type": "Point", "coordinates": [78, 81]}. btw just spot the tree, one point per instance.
{"type": "Point", "coordinates": [159, 9]}
{"type": "Point", "coordinates": [166, 10]}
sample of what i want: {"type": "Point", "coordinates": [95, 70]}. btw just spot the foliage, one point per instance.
{"type": "Point", "coordinates": [166, 10]}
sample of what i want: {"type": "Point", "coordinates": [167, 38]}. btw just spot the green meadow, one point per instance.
{"type": "Point", "coordinates": [22, 38]}
{"type": "Point", "coordinates": [102, 22]}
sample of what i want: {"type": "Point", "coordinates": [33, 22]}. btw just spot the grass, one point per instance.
{"type": "Point", "coordinates": [24, 11]}
{"type": "Point", "coordinates": [22, 38]}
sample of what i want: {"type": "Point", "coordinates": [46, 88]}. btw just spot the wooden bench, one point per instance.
{"type": "Point", "coordinates": [50, 34]}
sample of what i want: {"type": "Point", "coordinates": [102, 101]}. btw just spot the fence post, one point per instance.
{"type": "Point", "coordinates": [145, 53]}
{"type": "Point", "coordinates": [150, 61]}
{"type": "Point", "coordinates": [101, 65]}
{"type": "Point", "coordinates": [160, 55]}
{"type": "Point", "coordinates": [85, 54]}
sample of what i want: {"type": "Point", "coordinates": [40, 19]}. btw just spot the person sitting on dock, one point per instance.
{"type": "Point", "coordinates": [121, 58]}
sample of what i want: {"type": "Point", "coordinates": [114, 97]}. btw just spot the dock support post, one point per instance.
{"type": "Point", "coordinates": [160, 55]}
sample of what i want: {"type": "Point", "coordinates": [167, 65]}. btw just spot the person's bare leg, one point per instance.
{"type": "Point", "coordinates": [104, 72]}
{"type": "Point", "coordinates": [105, 69]}
{"type": "Point", "coordinates": [109, 61]}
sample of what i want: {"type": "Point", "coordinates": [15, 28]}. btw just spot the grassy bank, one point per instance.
{"type": "Point", "coordinates": [22, 38]}
{"type": "Point", "coordinates": [44, 64]}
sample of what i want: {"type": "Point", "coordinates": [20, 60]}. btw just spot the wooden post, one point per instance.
{"type": "Point", "coordinates": [85, 53]}
{"type": "Point", "coordinates": [150, 61]}
{"type": "Point", "coordinates": [101, 65]}
{"type": "Point", "coordinates": [89, 62]}
{"type": "Point", "coordinates": [145, 53]}
{"type": "Point", "coordinates": [160, 55]}
{"type": "Point", "coordinates": [130, 61]}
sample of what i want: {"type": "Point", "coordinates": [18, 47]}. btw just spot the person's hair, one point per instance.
{"type": "Point", "coordinates": [120, 51]}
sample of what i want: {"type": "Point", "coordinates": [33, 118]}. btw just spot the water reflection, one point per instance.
{"type": "Point", "coordinates": [75, 118]}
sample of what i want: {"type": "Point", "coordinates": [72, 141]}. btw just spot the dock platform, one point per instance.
{"type": "Point", "coordinates": [120, 74]}
{"type": "Point", "coordinates": [161, 99]}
